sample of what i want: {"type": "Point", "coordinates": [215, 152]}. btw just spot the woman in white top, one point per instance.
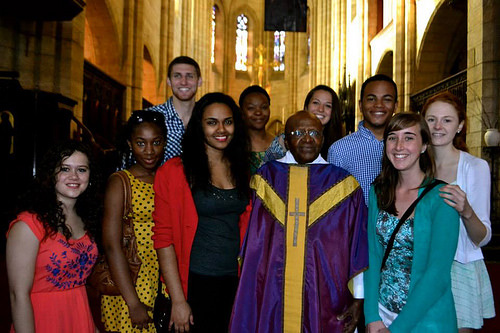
{"type": "Point", "coordinates": [469, 194]}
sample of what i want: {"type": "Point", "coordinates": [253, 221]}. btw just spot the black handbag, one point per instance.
{"type": "Point", "coordinates": [161, 311]}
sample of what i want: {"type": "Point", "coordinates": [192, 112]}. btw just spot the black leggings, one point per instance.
{"type": "Point", "coordinates": [211, 300]}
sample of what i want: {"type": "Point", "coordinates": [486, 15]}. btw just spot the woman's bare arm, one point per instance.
{"type": "Point", "coordinates": [22, 249]}
{"type": "Point", "coordinates": [118, 265]}
{"type": "Point", "coordinates": [181, 315]}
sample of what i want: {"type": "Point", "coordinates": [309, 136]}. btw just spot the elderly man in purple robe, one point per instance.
{"type": "Point", "coordinates": [306, 245]}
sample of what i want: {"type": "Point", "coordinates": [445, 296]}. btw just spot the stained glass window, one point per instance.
{"type": "Point", "coordinates": [241, 43]}
{"type": "Point", "coordinates": [212, 57]}
{"type": "Point", "coordinates": [279, 51]}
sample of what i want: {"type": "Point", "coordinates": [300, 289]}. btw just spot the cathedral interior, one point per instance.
{"type": "Point", "coordinates": [78, 68]}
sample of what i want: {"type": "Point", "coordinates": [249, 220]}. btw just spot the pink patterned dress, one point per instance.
{"type": "Point", "coordinates": [58, 294]}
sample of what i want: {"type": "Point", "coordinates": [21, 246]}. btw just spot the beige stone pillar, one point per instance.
{"type": "Point", "coordinates": [164, 49]}
{"type": "Point", "coordinates": [341, 45]}
{"type": "Point", "coordinates": [337, 26]}
{"type": "Point", "coordinates": [133, 49]}
{"type": "Point", "coordinates": [175, 31]}
{"type": "Point", "coordinates": [410, 52]}
{"type": "Point", "coordinates": [313, 8]}
{"type": "Point", "coordinates": [399, 51]}
{"type": "Point", "coordinates": [292, 45]}
{"type": "Point", "coordinates": [185, 27]}
{"type": "Point", "coordinates": [330, 20]}
{"type": "Point", "coordinates": [483, 63]}
{"type": "Point", "coordinates": [48, 55]}
{"type": "Point", "coordinates": [368, 32]}
{"type": "Point", "coordinates": [68, 64]}
{"type": "Point", "coordinates": [323, 42]}
{"type": "Point", "coordinates": [201, 25]}
{"type": "Point", "coordinates": [364, 66]}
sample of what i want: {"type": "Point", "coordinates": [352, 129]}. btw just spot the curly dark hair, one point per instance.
{"type": "Point", "coordinates": [194, 155]}
{"type": "Point", "coordinates": [41, 198]}
{"type": "Point", "coordinates": [333, 130]}
{"type": "Point", "coordinates": [137, 118]}
{"type": "Point", "coordinates": [385, 183]}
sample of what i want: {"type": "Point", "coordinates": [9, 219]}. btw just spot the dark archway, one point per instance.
{"type": "Point", "coordinates": [386, 65]}
{"type": "Point", "coordinates": [102, 47]}
{"type": "Point", "coordinates": [443, 51]}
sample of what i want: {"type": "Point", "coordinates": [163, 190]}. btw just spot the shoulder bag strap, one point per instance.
{"type": "Point", "coordinates": [127, 196]}
{"type": "Point", "coordinates": [405, 216]}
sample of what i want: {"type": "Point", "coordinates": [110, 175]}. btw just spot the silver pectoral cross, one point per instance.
{"type": "Point", "coordinates": [296, 214]}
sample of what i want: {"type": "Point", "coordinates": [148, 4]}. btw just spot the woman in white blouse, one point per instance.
{"type": "Point", "coordinates": [469, 194]}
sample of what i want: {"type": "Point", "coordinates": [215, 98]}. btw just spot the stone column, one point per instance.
{"type": "Point", "coordinates": [133, 49]}
{"type": "Point", "coordinates": [399, 51]}
{"type": "Point", "coordinates": [291, 61]}
{"type": "Point", "coordinates": [364, 66]}
{"type": "Point", "coordinates": [69, 62]}
{"type": "Point", "coordinates": [483, 69]}
{"type": "Point", "coordinates": [483, 86]}
{"type": "Point", "coordinates": [164, 50]}
{"type": "Point", "coordinates": [410, 52]}
{"type": "Point", "coordinates": [323, 42]}
{"type": "Point", "coordinates": [201, 23]}
{"type": "Point", "coordinates": [48, 55]}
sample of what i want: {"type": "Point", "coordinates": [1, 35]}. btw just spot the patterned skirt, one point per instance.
{"type": "Point", "coordinates": [472, 293]}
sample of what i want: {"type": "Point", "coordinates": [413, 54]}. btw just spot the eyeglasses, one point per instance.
{"type": "Point", "coordinates": [301, 133]}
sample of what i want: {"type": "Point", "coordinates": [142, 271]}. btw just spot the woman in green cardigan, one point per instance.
{"type": "Point", "coordinates": [412, 291]}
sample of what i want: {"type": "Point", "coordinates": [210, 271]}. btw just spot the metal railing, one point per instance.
{"type": "Point", "coordinates": [456, 84]}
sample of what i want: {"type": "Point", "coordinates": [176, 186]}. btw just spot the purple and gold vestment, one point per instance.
{"type": "Point", "coordinates": [306, 240]}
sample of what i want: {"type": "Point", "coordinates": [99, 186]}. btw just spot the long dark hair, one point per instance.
{"type": "Point", "coordinates": [41, 198]}
{"type": "Point", "coordinates": [333, 130]}
{"type": "Point", "coordinates": [385, 184]}
{"type": "Point", "coordinates": [449, 98]}
{"type": "Point", "coordinates": [194, 155]}
{"type": "Point", "coordinates": [137, 118]}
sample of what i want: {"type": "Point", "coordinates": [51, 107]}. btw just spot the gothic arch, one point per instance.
{"type": "Point", "coordinates": [385, 65]}
{"type": "Point", "coordinates": [255, 26]}
{"type": "Point", "coordinates": [149, 81]}
{"type": "Point", "coordinates": [152, 56]}
{"type": "Point", "coordinates": [102, 45]}
{"type": "Point", "coordinates": [443, 51]}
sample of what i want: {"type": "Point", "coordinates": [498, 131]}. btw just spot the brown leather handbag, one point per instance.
{"type": "Point", "coordinates": [100, 278]}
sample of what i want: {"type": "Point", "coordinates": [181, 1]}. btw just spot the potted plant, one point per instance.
{"type": "Point", "coordinates": [490, 122]}
{"type": "Point", "coordinates": [492, 136]}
